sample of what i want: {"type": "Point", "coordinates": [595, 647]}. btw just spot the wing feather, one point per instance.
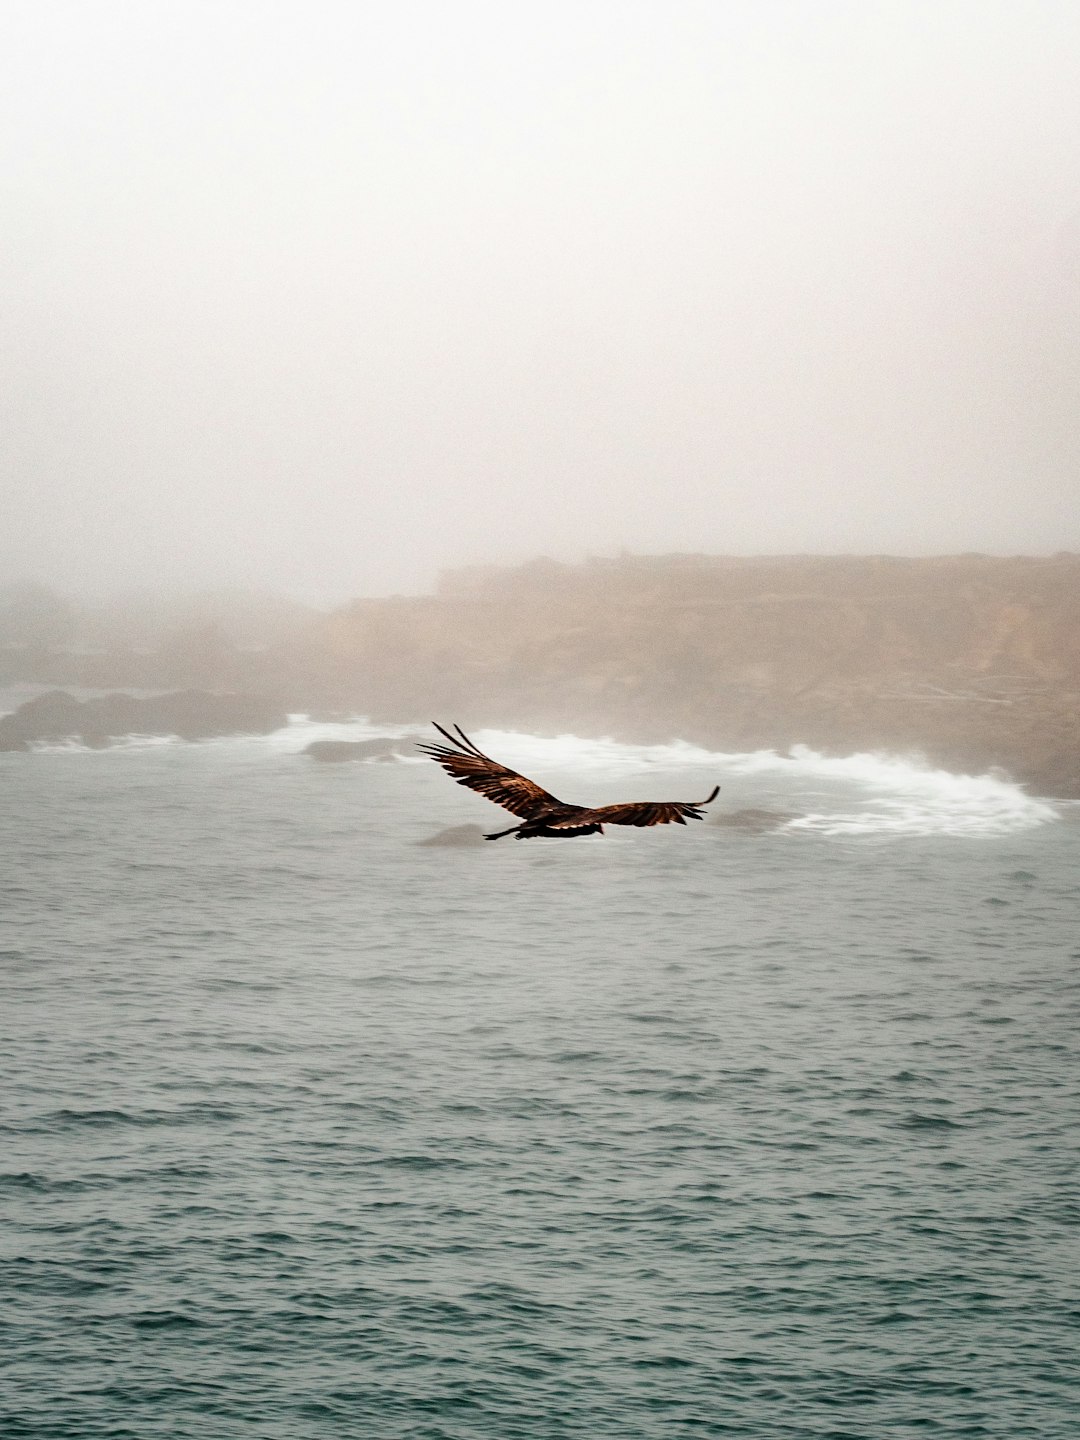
{"type": "Point", "coordinates": [471, 767]}
{"type": "Point", "coordinates": [647, 812]}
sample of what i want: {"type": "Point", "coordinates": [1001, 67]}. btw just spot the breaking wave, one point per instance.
{"type": "Point", "coordinates": [902, 796]}
{"type": "Point", "coordinates": [863, 794]}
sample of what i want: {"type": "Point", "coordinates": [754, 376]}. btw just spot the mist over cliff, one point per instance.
{"type": "Point", "coordinates": [971, 660]}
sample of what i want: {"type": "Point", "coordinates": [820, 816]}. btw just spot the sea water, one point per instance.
{"type": "Point", "coordinates": [311, 1131]}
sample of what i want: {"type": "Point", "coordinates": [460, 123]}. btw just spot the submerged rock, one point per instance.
{"type": "Point", "coordinates": [339, 752]}
{"type": "Point", "coordinates": [757, 822]}
{"type": "Point", "coordinates": [456, 835]}
{"type": "Point", "coordinates": [190, 714]}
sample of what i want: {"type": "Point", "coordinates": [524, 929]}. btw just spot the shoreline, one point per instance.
{"type": "Point", "coordinates": [391, 729]}
{"type": "Point", "coordinates": [970, 661]}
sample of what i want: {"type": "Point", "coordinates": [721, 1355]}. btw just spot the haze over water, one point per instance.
{"type": "Point", "coordinates": [687, 1131]}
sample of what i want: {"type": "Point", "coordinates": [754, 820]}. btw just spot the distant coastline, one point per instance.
{"type": "Point", "coordinates": [972, 661]}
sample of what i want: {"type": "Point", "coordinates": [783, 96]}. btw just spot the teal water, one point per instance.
{"type": "Point", "coordinates": [311, 1132]}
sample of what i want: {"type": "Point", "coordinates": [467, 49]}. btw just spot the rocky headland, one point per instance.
{"type": "Point", "coordinates": [972, 661]}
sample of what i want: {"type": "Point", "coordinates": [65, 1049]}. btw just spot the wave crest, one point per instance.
{"type": "Point", "coordinates": [867, 793]}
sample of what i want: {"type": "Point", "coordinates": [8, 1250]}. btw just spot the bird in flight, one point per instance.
{"type": "Point", "coordinates": [541, 813]}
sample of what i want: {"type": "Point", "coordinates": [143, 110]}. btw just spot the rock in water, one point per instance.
{"type": "Point", "coordinates": [339, 752]}
{"type": "Point", "coordinates": [757, 822]}
{"type": "Point", "coordinates": [456, 835]}
{"type": "Point", "coordinates": [191, 714]}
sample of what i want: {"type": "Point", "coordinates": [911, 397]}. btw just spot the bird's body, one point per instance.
{"type": "Point", "coordinates": [541, 813]}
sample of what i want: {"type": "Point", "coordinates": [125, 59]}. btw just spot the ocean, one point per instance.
{"type": "Point", "coordinates": [309, 1130]}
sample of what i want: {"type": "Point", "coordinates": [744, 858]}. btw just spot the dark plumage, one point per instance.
{"type": "Point", "coordinates": [540, 812]}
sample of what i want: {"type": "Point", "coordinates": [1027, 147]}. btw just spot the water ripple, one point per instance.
{"type": "Point", "coordinates": [306, 1134]}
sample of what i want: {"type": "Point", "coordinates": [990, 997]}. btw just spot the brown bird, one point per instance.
{"type": "Point", "coordinates": [541, 813]}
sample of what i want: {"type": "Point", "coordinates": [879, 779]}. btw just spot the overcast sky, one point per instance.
{"type": "Point", "coordinates": [328, 296]}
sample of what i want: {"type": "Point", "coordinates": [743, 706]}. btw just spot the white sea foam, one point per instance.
{"type": "Point", "coordinates": [116, 743]}
{"type": "Point", "coordinates": [904, 796]}
{"type": "Point", "coordinates": [861, 794]}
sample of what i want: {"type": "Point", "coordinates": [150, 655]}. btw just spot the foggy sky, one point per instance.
{"type": "Point", "coordinates": [327, 296]}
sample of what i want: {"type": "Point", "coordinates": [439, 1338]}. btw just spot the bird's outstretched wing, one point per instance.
{"type": "Point", "coordinates": [645, 812]}
{"type": "Point", "coordinates": [470, 766]}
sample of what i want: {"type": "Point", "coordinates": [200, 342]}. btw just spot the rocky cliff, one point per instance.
{"type": "Point", "coordinates": [973, 660]}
